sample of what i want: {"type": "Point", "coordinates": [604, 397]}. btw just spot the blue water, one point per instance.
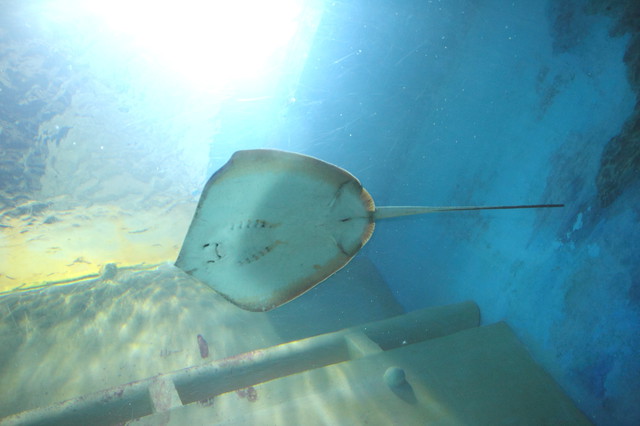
{"type": "Point", "coordinates": [427, 103]}
{"type": "Point", "coordinates": [500, 103]}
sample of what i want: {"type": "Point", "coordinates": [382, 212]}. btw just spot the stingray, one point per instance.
{"type": "Point", "coordinates": [270, 225]}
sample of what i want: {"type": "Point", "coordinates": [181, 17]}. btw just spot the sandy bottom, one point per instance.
{"type": "Point", "coordinates": [60, 342]}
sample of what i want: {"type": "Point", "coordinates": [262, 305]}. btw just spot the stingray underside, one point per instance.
{"type": "Point", "coordinates": [270, 225]}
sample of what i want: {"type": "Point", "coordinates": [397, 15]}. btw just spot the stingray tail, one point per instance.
{"type": "Point", "coordinates": [395, 211]}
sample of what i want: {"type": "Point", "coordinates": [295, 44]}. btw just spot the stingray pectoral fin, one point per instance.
{"type": "Point", "coordinates": [384, 212]}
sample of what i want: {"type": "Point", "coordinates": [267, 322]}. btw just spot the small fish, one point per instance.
{"type": "Point", "coordinates": [204, 348]}
{"type": "Point", "coordinates": [79, 260]}
{"type": "Point", "coordinates": [250, 393]}
{"type": "Point", "coordinates": [168, 352]}
{"type": "Point", "coordinates": [208, 402]}
{"type": "Point", "coordinates": [139, 231]}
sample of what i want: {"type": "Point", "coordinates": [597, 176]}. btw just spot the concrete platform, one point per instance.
{"type": "Point", "coordinates": [433, 366]}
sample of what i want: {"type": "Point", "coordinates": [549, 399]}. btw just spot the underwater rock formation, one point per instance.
{"type": "Point", "coordinates": [567, 24]}
{"type": "Point", "coordinates": [34, 86]}
{"type": "Point", "coordinates": [632, 60]}
{"type": "Point", "coordinates": [250, 393]}
{"type": "Point", "coordinates": [620, 160]}
{"type": "Point", "coordinates": [626, 14]}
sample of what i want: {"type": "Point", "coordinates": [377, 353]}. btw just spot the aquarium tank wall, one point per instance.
{"type": "Point", "coordinates": [114, 116]}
